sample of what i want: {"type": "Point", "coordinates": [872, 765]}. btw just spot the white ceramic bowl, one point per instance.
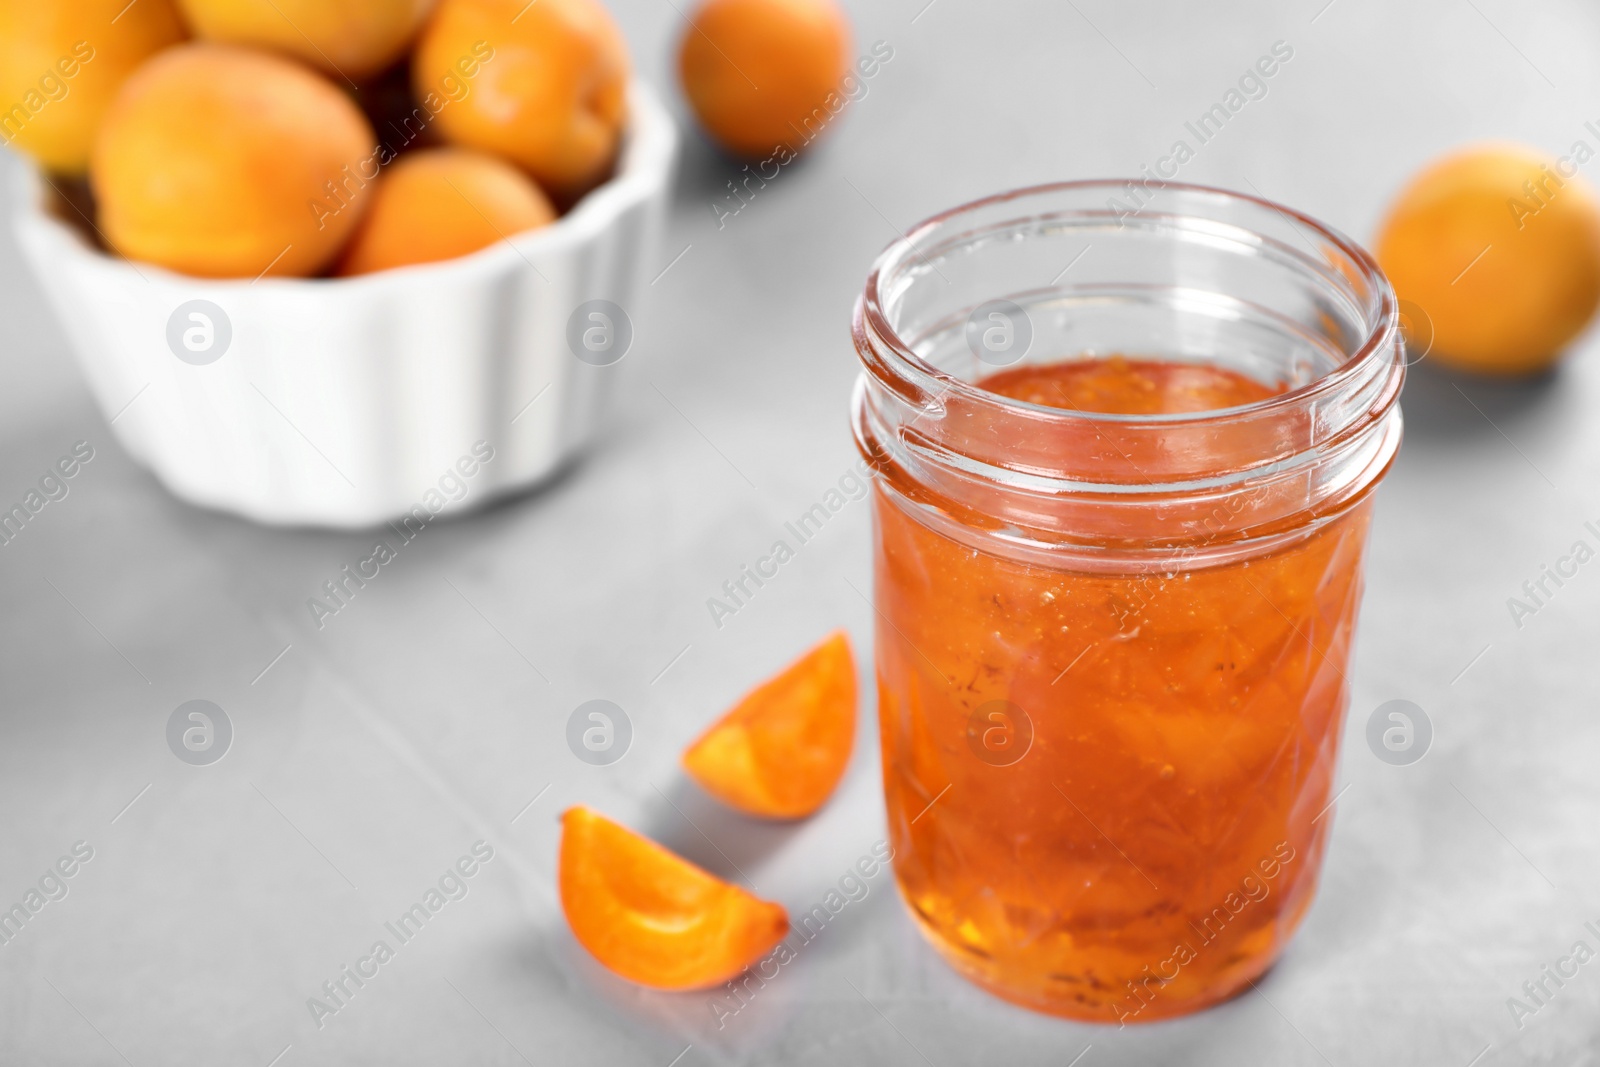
{"type": "Point", "coordinates": [346, 402]}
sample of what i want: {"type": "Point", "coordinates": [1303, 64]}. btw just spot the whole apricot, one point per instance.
{"type": "Point", "coordinates": [223, 161]}
{"type": "Point", "coordinates": [764, 73]}
{"type": "Point", "coordinates": [61, 64]}
{"type": "Point", "coordinates": [542, 84]}
{"type": "Point", "coordinates": [351, 39]}
{"type": "Point", "coordinates": [441, 203]}
{"type": "Point", "coordinates": [1499, 246]}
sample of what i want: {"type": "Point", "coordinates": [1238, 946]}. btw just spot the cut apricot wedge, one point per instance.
{"type": "Point", "coordinates": [652, 916]}
{"type": "Point", "coordinates": [781, 751]}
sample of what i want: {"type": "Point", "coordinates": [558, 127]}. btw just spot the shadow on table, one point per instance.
{"type": "Point", "coordinates": [711, 834]}
{"type": "Point", "coordinates": [707, 177]}
{"type": "Point", "coordinates": [1439, 403]}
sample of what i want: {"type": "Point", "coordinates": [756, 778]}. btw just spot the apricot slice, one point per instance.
{"type": "Point", "coordinates": [765, 73]}
{"type": "Point", "coordinates": [652, 916]}
{"type": "Point", "coordinates": [542, 84]}
{"type": "Point", "coordinates": [441, 203]}
{"type": "Point", "coordinates": [61, 64]}
{"type": "Point", "coordinates": [1499, 246]}
{"type": "Point", "coordinates": [226, 162]}
{"type": "Point", "coordinates": [781, 751]}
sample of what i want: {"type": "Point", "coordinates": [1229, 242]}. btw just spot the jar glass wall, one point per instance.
{"type": "Point", "coordinates": [1112, 648]}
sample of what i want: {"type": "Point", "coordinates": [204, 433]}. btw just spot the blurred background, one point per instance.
{"type": "Point", "coordinates": [370, 752]}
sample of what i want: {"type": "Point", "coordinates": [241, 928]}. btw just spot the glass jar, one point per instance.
{"type": "Point", "coordinates": [1112, 648]}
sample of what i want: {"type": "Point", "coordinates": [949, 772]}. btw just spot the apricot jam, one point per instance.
{"type": "Point", "coordinates": [1139, 858]}
{"type": "Point", "coordinates": [1115, 595]}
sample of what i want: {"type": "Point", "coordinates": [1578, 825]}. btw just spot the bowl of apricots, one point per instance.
{"type": "Point", "coordinates": [316, 255]}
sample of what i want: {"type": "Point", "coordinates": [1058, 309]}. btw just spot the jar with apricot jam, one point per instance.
{"type": "Point", "coordinates": [1125, 444]}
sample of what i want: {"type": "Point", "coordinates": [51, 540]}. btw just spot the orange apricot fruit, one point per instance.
{"type": "Point", "coordinates": [653, 917]}
{"type": "Point", "coordinates": [441, 203]}
{"type": "Point", "coordinates": [348, 39]}
{"type": "Point", "coordinates": [782, 749]}
{"type": "Point", "coordinates": [765, 73]}
{"type": "Point", "coordinates": [227, 162]}
{"type": "Point", "coordinates": [544, 85]}
{"type": "Point", "coordinates": [61, 64]}
{"type": "Point", "coordinates": [1499, 246]}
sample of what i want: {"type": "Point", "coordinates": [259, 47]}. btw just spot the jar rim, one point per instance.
{"type": "Point", "coordinates": [914, 370]}
{"type": "Point", "coordinates": [1130, 485]}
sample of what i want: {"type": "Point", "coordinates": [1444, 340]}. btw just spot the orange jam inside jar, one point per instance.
{"type": "Point", "coordinates": [1120, 511]}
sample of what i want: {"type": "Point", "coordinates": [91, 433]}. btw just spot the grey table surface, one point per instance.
{"type": "Point", "coordinates": [428, 714]}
